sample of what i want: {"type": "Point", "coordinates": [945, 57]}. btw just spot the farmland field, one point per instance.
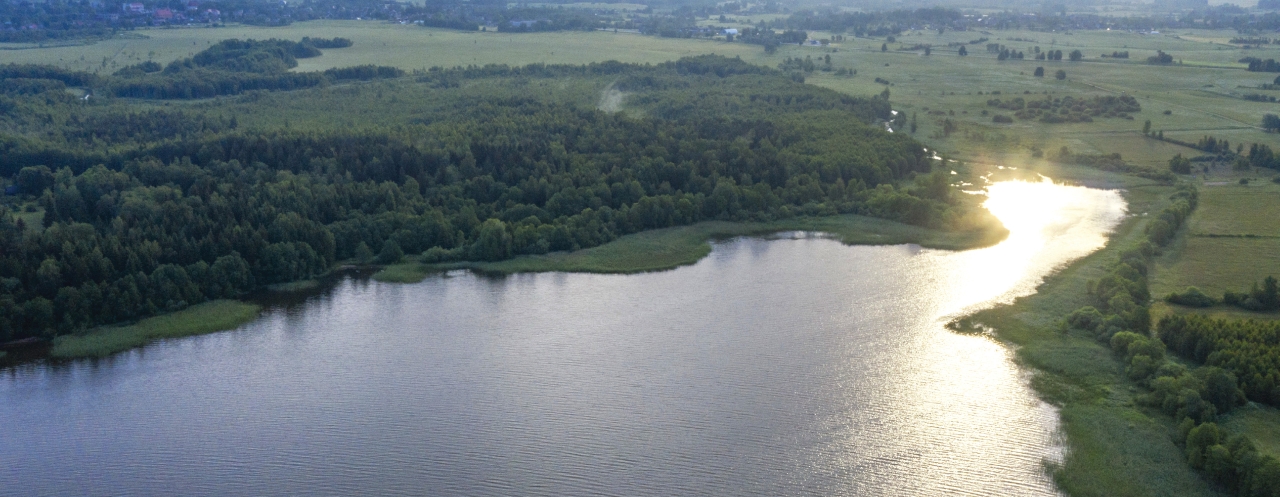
{"type": "Point", "coordinates": [1202, 91]}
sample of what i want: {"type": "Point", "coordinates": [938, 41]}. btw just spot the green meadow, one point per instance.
{"type": "Point", "coordinates": [1231, 242]}
{"type": "Point", "coordinates": [198, 319]}
{"type": "Point", "coordinates": [1202, 91]}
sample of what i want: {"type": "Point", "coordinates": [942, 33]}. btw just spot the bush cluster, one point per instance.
{"type": "Point", "coordinates": [1070, 109]}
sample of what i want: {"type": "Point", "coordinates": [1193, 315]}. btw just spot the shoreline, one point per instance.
{"type": "Point", "coordinates": [671, 248]}
{"type": "Point", "coordinates": [199, 319]}
{"type": "Point", "coordinates": [653, 250]}
{"type": "Point", "coordinates": [1113, 445]}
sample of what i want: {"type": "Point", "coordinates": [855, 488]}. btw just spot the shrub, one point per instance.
{"type": "Point", "coordinates": [1191, 297]}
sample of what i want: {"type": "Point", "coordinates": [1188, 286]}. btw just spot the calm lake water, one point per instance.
{"type": "Point", "coordinates": [792, 366]}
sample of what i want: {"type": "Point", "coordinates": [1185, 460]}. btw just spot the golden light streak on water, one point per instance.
{"type": "Point", "coordinates": [969, 410]}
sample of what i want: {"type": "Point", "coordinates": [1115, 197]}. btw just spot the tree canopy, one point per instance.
{"type": "Point", "coordinates": [148, 209]}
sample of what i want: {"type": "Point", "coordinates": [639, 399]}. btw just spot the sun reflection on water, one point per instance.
{"type": "Point", "coordinates": [952, 383]}
{"type": "Point", "coordinates": [1049, 226]}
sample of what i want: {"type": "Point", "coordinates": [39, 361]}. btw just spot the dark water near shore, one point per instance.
{"type": "Point", "coordinates": [773, 367]}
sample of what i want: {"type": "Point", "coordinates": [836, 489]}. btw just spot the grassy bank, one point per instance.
{"type": "Point", "coordinates": [198, 319]}
{"type": "Point", "coordinates": [674, 247]}
{"type": "Point", "coordinates": [294, 286]}
{"type": "Point", "coordinates": [1114, 445]}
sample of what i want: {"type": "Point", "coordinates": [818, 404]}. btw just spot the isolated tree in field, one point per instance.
{"type": "Point", "coordinates": [1160, 58]}
{"type": "Point", "coordinates": [1061, 75]}
{"type": "Point", "coordinates": [884, 47]}
{"type": "Point", "coordinates": [928, 50]}
{"type": "Point", "coordinates": [1146, 128]}
{"type": "Point", "coordinates": [1271, 122]}
{"type": "Point", "coordinates": [1180, 165]}
{"type": "Point", "coordinates": [1076, 55]}
{"type": "Point", "coordinates": [963, 52]}
{"type": "Point", "coordinates": [1039, 72]}
{"type": "Point", "coordinates": [913, 122]}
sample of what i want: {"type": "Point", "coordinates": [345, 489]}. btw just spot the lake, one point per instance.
{"type": "Point", "coordinates": [787, 366]}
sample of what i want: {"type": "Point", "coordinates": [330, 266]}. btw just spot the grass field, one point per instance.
{"type": "Point", "coordinates": [405, 46]}
{"type": "Point", "coordinates": [33, 220]}
{"type": "Point", "coordinates": [1246, 247]}
{"type": "Point", "coordinates": [673, 247]}
{"type": "Point", "coordinates": [195, 320]}
{"type": "Point", "coordinates": [1202, 94]}
{"type": "Point", "coordinates": [1261, 423]}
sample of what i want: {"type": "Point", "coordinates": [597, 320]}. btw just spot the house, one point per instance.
{"type": "Point", "coordinates": [193, 5]}
{"type": "Point", "coordinates": [731, 31]}
{"type": "Point", "coordinates": [136, 8]}
{"type": "Point", "coordinates": [164, 14]}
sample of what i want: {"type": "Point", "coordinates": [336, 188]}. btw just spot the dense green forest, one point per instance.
{"type": "Point", "coordinates": [1249, 349]}
{"type": "Point", "coordinates": [150, 207]}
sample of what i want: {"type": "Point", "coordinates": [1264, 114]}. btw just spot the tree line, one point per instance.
{"type": "Point", "coordinates": [229, 67]}
{"type": "Point", "coordinates": [1069, 109]}
{"type": "Point", "coordinates": [1259, 65]}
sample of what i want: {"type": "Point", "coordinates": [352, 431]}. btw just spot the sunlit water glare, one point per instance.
{"type": "Point", "coordinates": [773, 367]}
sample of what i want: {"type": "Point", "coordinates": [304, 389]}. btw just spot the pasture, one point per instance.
{"type": "Point", "coordinates": [1201, 92]}
{"type": "Point", "coordinates": [1231, 242]}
